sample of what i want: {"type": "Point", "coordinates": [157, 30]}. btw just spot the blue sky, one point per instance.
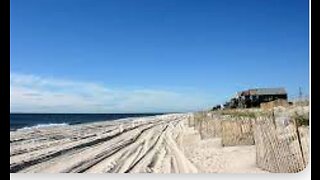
{"type": "Point", "coordinates": [151, 56]}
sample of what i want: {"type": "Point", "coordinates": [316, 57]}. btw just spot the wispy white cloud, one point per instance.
{"type": "Point", "coordinates": [31, 93]}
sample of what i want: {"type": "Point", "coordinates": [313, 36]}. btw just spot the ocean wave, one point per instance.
{"type": "Point", "coordinates": [43, 126]}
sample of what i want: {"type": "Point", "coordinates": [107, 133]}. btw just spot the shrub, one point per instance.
{"type": "Point", "coordinates": [301, 119]}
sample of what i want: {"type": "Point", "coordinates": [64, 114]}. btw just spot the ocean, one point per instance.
{"type": "Point", "coordinates": [20, 120]}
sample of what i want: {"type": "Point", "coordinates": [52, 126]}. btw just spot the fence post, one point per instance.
{"type": "Point", "coordinates": [299, 140]}
{"type": "Point", "coordinates": [252, 130]}
{"type": "Point", "coordinates": [274, 119]}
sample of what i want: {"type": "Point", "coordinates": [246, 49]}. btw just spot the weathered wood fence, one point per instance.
{"type": "Point", "coordinates": [280, 148]}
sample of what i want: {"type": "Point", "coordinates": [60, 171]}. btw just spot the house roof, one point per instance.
{"type": "Point", "coordinates": [267, 91]}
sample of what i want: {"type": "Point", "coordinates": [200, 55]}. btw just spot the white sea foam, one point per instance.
{"type": "Point", "coordinates": [43, 126]}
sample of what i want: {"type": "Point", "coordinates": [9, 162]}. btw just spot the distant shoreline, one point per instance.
{"type": "Point", "coordinates": [97, 113]}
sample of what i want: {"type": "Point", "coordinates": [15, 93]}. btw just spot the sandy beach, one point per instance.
{"type": "Point", "coordinates": [158, 144]}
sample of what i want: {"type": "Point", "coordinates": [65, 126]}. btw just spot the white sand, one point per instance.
{"type": "Point", "coordinates": [210, 157]}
